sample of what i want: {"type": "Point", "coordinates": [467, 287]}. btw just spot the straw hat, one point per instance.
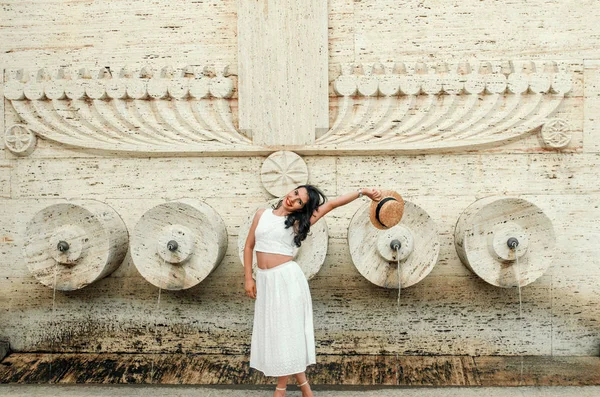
{"type": "Point", "coordinates": [388, 211]}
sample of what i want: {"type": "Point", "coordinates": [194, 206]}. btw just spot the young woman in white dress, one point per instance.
{"type": "Point", "coordinates": [283, 334]}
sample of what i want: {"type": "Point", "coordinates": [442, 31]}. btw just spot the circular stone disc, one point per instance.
{"type": "Point", "coordinates": [92, 229]}
{"type": "Point", "coordinates": [166, 222]}
{"type": "Point", "coordinates": [483, 224]}
{"type": "Point", "coordinates": [363, 240]}
{"type": "Point", "coordinates": [310, 256]}
{"type": "Point", "coordinates": [282, 171]}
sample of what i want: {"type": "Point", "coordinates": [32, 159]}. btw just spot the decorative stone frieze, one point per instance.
{"type": "Point", "coordinates": [415, 106]}
{"type": "Point", "coordinates": [163, 111]}
{"type": "Point", "coordinates": [400, 107]}
{"type": "Point", "coordinates": [70, 245]}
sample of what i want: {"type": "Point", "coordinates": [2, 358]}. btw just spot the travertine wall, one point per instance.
{"type": "Point", "coordinates": [450, 312]}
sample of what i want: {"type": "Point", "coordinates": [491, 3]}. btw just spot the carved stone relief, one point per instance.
{"type": "Point", "coordinates": [398, 107]}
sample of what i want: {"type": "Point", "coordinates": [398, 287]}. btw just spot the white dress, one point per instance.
{"type": "Point", "coordinates": [283, 341]}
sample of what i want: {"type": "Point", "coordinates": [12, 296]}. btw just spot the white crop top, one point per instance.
{"type": "Point", "coordinates": [272, 237]}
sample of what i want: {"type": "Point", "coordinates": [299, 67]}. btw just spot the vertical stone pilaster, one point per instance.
{"type": "Point", "coordinates": [591, 106]}
{"type": "Point", "coordinates": [283, 70]}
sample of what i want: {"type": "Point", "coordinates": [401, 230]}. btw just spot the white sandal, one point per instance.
{"type": "Point", "coordinates": [280, 388]}
{"type": "Point", "coordinates": [303, 384]}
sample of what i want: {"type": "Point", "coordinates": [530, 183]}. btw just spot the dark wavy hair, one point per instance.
{"type": "Point", "coordinates": [300, 220]}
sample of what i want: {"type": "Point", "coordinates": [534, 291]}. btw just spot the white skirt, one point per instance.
{"type": "Point", "coordinates": [283, 340]}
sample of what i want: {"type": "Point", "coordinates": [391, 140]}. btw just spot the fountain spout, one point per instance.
{"type": "Point", "coordinates": [512, 243]}
{"type": "Point", "coordinates": [395, 245]}
{"type": "Point", "coordinates": [172, 245]}
{"type": "Point", "coordinates": [62, 246]}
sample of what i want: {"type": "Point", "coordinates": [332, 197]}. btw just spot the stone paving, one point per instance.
{"type": "Point", "coordinates": [201, 391]}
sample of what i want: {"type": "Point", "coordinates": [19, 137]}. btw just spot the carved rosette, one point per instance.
{"type": "Point", "coordinates": [19, 140]}
{"type": "Point", "coordinates": [71, 245]}
{"type": "Point", "coordinates": [310, 256]}
{"type": "Point", "coordinates": [372, 253]}
{"type": "Point", "coordinates": [176, 245]}
{"type": "Point", "coordinates": [556, 133]}
{"type": "Point", "coordinates": [282, 171]}
{"type": "Point", "coordinates": [483, 237]}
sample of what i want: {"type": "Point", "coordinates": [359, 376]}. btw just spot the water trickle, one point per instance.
{"type": "Point", "coordinates": [156, 324]}
{"type": "Point", "coordinates": [518, 272]}
{"type": "Point", "coordinates": [398, 315]}
{"type": "Point", "coordinates": [513, 244]}
{"type": "Point", "coordinates": [53, 332]}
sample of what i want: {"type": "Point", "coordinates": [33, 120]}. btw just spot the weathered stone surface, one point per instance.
{"type": "Point", "coordinates": [472, 29]}
{"type": "Point", "coordinates": [173, 369]}
{"type": "Point", "coordinates": [377, 262]}
{"type": "Point", "coordinates": [479, 175]}
{"type": "Point", "coordinates": [176, 245]}
{"type": "Point", "coordinates": [507, 241]}
{"type": "Point", "coordinates": [591, 109]}
{"type": "Point", "coordinates": [283, 71]}
{"type": "Point", "coordinates": [70, 245]}
{"type": "Point", "coordinates": [2, 116]}
{"type": "Point", "coordinates": [450, 312]}
{"type": "Point", "coordinates": [114, 32]}
{"type": "Point", "coordinates": [4, 349]}
{"type": "Point", "coordinates": [127, 178]}
{"type": "Point", "coordinates": [5, 172]}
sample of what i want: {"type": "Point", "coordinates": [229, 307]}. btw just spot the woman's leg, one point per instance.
{"type": "Point", "coordinates": [305, 388]}
{"type": "Point", "coordinates": [281, 384]}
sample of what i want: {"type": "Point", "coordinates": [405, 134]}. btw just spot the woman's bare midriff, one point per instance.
{"type": "Point", "coordinates": [269, 261]}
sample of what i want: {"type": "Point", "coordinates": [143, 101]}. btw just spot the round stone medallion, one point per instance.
{"type": "Point", "coordinates": [282, 171]}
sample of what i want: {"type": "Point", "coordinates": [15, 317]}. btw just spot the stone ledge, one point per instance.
{"type": "Point", "coordinates": [376, 370]}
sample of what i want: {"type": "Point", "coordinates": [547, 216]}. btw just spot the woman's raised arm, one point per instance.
{"type": "Point", "coordinates": [373, 194]}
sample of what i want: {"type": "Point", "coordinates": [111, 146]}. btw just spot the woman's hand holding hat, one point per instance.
{"type": "Point", "coordinates": [387, 210]}
{"type": "Point", "coordinates": [373, 194]}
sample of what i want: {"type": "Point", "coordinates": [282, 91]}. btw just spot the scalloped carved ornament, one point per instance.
{"type": "Point", "coordinates": [149, 111]}
{"type": "Point", "coordinates": [421, 107]}
{"type": "Point", "coordinates": [399, 107]}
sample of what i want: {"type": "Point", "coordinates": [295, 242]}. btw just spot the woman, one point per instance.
{"type": "Point", "coordinates": [283, 335]}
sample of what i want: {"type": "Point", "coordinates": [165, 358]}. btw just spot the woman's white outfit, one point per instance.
{"type": "Point", "coordinates": [283, 341]}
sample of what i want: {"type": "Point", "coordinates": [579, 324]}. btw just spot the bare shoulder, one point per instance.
{"type": "Point", "coordinates": [259, 213]}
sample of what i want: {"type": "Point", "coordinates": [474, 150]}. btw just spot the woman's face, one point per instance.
{"type": "Point", "coordinates": [295, 200]}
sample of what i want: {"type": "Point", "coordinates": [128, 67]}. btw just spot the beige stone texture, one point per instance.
{"type": "Point", "coordinates": [5, 172]}
{"type": "Point", "coordinates": [591, 109]}
{"type": "Point", "coordinates": [114, 32]}
{"type": "Point", "coordinates": [283, 71]}
{"type": "Point", "coordinates": [451, 311]}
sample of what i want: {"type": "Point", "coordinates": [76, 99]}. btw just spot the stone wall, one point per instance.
{"type": "Point", "coordinates": [450, 312]}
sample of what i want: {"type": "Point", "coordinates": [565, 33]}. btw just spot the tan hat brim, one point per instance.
{"type": "Point", "coordinates": [391, 210]}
